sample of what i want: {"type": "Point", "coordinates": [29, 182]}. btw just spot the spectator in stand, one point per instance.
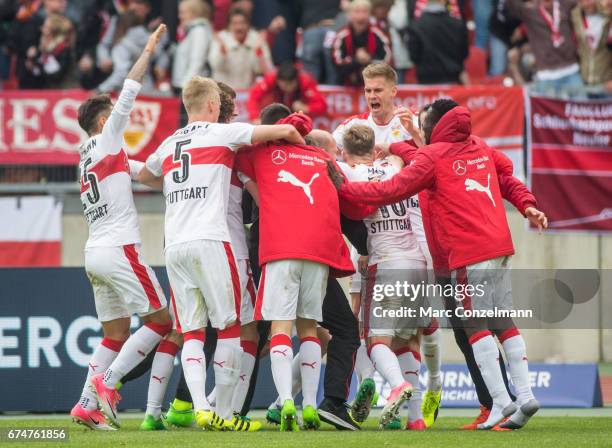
{"type": "Point", "coordinates": [287, 85]}
{"type": "Point", "coordinates": [239, 54]}
{"type": "Point", "coordinates": [8, 13]}
{"type": "Point", "coordinates": [192, 50]}
{"type": "Point", "coordinates": [592, 29]}
{"type": "Point", "coordinates": [136, 15]}
{"type": "Point", "coordinates": [358, 44]}
{"type": "Point", "coordinates": [398, 25]}
{"type": "Point", "coordinates": [551, 38]}
{"type": "Point", "coordinates": [280, 19]}
{"type": "Point", "coordinates": [129, 38]}
{"type": "Point", "coordinates": [93, 26]}
{"type": "Point", "coordinates": [317, 21]}
{"type": "Point", "coordinates": [26, 34]}
{"type": "Point", "coordinates": [48, 65]}
{"type": "Point", "coordinates": [438, 45]}
{"type": "Point", "coordinates": [503, 36]}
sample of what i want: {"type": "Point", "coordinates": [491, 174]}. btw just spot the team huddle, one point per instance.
{"type": "Point", "coordinates": [413, 193]}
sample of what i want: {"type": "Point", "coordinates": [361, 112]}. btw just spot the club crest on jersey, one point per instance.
{"type": "Point", "coordinates": [459, 167]}
{"type": "Point", "coordinates": [141, 127]}
{"type": "Point", "coordinates": [279, 157]}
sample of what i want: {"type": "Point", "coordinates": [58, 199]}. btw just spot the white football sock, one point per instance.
{"type": "Point", "coordinates": [431, 349]}
{"type": "Point", "coordinates": [226, 363]}
{"type": "Point", "coordinates": [385, 362]}
{"type": "Point", "coordinates": [296, 383]}
{"type": "Point", "coordinates": [161, 371]}
{"type": "Point", "coordinates": [310, 370]}
{"type": "Point", "coordinates": [363, 364]}
{"type": "Point", "coordinates": [281, 356]}
{"type": "Point", "coordinates": [242, 388]}
{"type": "Point", "coordinates": [135, 349]}
{"type": "Point", "coordinates": [486, 355]}
{"type": "Point", "coordinates": [102, 357]}
{"type": "Point", "coordinates": [194, 369]}
{"type": "Point", "coordinates": [516, 355]}
{"type": "Point", "coordinates": [410, 363]}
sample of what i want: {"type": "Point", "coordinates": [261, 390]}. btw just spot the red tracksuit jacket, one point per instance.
{"type": "Point", "coordinates": [299, 210]}
{"type": "Point", "coordinates": [461, 194]}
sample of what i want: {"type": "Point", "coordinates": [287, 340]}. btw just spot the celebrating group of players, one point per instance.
{"type": "Point", "coordinates": [413, 194]}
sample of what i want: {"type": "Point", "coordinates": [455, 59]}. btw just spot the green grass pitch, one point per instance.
{"type": "Point", "coordinates": [552, 432]}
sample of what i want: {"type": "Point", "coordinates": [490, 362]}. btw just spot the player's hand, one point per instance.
{"type": "Point", "coordinates": [381, 150]}
{"type": "Point", "coordinates": [407, 119]}
{"type": "Point", "coordinates": [155, 37]}
{"type": "Point", "coordinates": [336, 177]}
{"type": "Point", "coordinates": [537, 218]}
{"type": "Point", "coordinates": [362, 264]}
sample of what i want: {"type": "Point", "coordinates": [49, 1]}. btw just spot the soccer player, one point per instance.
{"type": "Point", "coordinates": [194, 168]}
{"type": "Point", "coordinates": [301, 244]}
{"type": "Point", "coordinates": [121, 282]}
{"type": "Point", "coordinates": [471, 238]}
{"type": "Point", "coordinates": [394, 256]}
{"type": "Point", "coordinates": [380, 89]}
{"type": "Point", "coordinates": [338, 318]}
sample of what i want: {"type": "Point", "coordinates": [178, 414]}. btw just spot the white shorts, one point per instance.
{"type": "Point", "coordinates": [205, 284]}
{"type": "Point", "coordinates": [122, 283]}
{"type": "Point", "coordinates": [290, 289]}
{"type": "Point", "coordinates": [491, 285]}
{"type": "Point", "coordinates": [248, 292]}
{"type": "Point", "coordinates": [380, 310]}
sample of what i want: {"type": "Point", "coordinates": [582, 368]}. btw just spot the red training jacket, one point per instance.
{"type": "Point", "coordinates": [461, 200]}
{"type": "Point", "coordinates": [266, 92]}
{"type": "Point", "coordinates": [299, 211]}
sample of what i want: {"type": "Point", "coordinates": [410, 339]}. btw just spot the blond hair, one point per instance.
{"type": "Point", "coordinates": [197, 91]}
{"type": "Point", "coordinates": [199, 8]}
{"type": "Point", "coordinates": [358, 140]}
{"type": "Point", "coordinates": [381, 69]}
{"type": "Point", "coordinates": [359, 3]}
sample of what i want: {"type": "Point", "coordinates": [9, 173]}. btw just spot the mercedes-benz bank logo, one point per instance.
{"type": "Point", "coordinates": [279, 157]}
{"type": "Point", "coordinates": [459, 167]}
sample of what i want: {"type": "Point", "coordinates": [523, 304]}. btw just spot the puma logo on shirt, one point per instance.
{"type": "Point", "coordinates": [286, 176]}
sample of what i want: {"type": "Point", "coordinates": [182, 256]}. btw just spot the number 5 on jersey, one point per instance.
{"type": "Point", "coordinates": [184, 158]}
{"type": "Point", "coordinates": [91, 180]}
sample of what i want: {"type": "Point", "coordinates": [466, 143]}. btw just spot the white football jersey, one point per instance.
{"type": "Point", "coordinates": [235, 221]}
{"type": "Point", "coordinates": [196, 164]}
{"type": "Point", "coordinates": [391, 132]}
{"type": "Point", "coordinates": [106, 185]}
{"type": "Point", "coordinates": [390, 235]}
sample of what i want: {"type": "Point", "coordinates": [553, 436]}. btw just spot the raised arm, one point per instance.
{"type": "Point", "coordinates": [118, 119]}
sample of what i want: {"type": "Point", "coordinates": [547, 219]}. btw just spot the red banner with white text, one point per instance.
{"type": "Point", "coordinates": [570, 162]}
{"type": "Point", "coordinates": [40, 127]}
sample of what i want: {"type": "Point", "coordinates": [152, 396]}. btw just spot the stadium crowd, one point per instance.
{"type": "Point", "coordinates": [563, 46]}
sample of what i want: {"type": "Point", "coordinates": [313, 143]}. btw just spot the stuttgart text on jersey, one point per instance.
{"type": "Point", "coordinates": [186, 194]}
